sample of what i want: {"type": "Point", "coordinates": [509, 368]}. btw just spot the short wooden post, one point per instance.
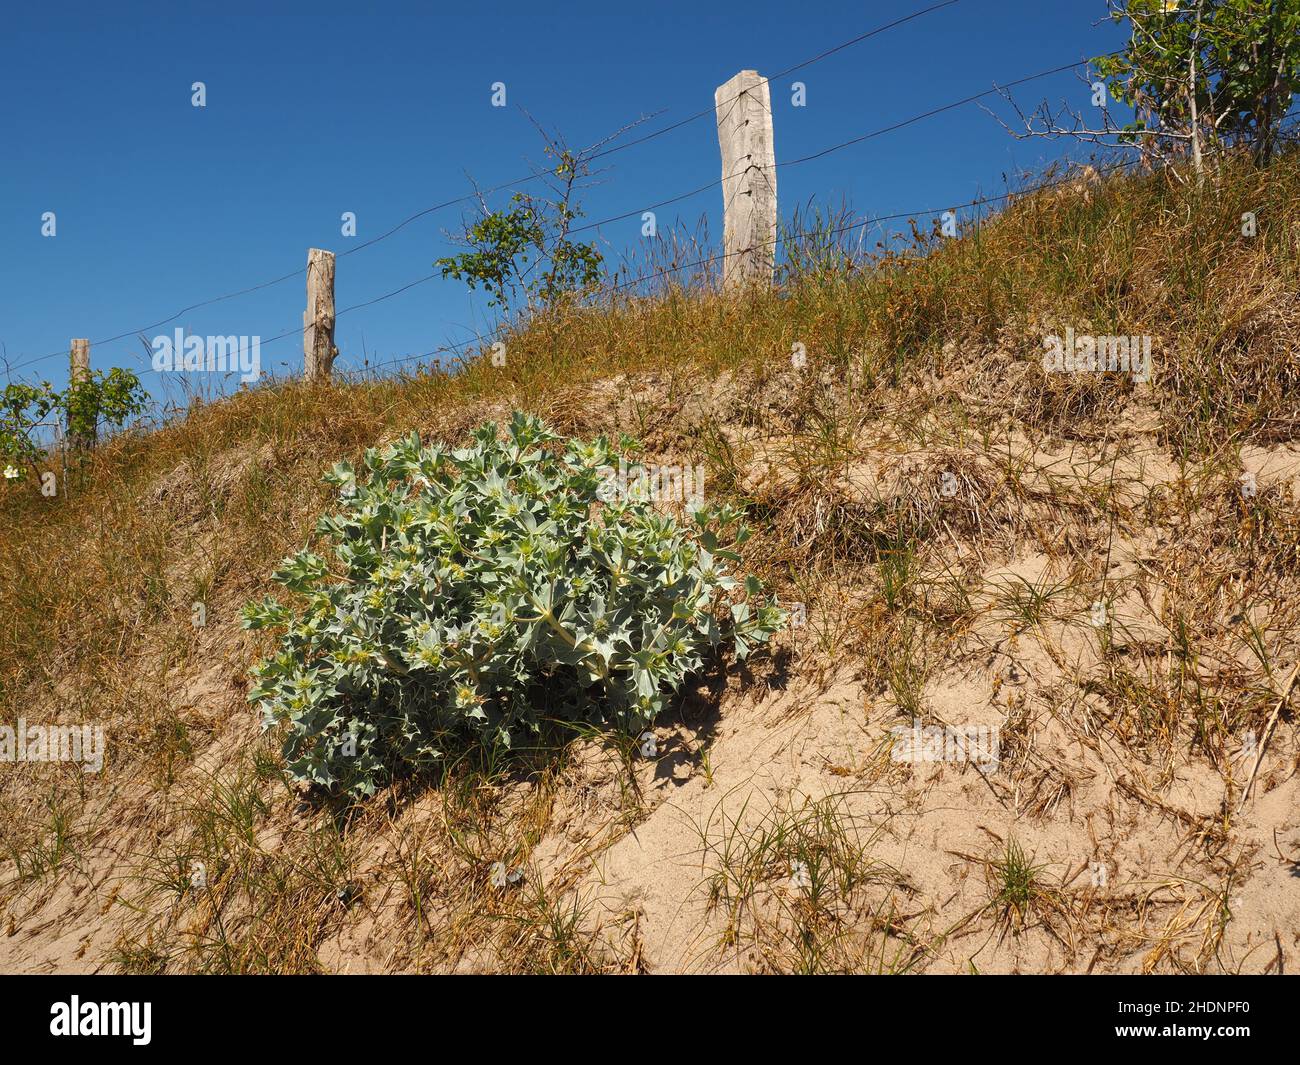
{"type": "Point", "coordinates": [79, 373]}
{"type": "Point", "coordinates": [318, 348]}
{"type": "Point", "coordinates": [744, 110]}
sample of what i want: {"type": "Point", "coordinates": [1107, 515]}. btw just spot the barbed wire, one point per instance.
{"type": "Point", "coordinates": [981, 201]}
{"type": "Point", "coordinates": [723, 256]}
{"type": "Point", "coordinates": [779, 74]}
{"type": "Point", "coordinates": [469, 197]}
{"type": "Point", "coordinates": [834, 147]}
{"type": "Point", "coordinates": [298, 330]}
{"type": "Point", "coordinates": [816, 155]}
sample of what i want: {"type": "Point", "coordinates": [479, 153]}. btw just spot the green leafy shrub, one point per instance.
{"type": "Point", "coordinates": [114, 397]}
{"type": "Point", "coordinates": [111, 397]}
{"type": "Point", "coordinates": [23, 409]}
{"type": "Point", "coordinates": [485, 590]}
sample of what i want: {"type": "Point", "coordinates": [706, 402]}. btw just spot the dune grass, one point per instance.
{"type": "Point", "coordinates": [98, 587]}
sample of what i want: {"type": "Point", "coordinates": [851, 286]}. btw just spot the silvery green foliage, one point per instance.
{"type": "Point", "coordinates": [482, 590]}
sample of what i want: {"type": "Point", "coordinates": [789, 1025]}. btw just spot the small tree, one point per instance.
{"type": "Point", "coordinates": [109, 398]}
{"type": "Point", "coordinates": [1197, 74]}
{"type": "Point", "coordinates": [23, 410]}
{"type": "Point", "coordinates": [1214, 71]}
{"type": "Point", "coordinates": [526, 251]}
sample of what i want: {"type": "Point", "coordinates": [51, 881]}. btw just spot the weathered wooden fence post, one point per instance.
{"type": "Point", "coordinates": [318, 348]}
{"type": "Point", "coordinates": [744, 109]}
{"type": "Point", "coordinates": [80, 435]}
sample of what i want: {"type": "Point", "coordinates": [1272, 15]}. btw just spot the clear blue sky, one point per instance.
{"type": "Point", "coordinates": [384, 108]}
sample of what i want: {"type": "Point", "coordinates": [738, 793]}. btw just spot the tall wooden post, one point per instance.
{"type": "Point", "coordinates": [79, 373]}
{"type": "Point", "coordinates": [318, 348]}
{"type": "Point", "coordinates": [744, 109]}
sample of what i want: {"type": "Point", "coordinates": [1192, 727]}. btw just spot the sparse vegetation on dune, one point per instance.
{"type": "Point", "coordinates": [1106, 570]}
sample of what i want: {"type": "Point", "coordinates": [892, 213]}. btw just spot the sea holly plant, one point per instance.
{"type": "Point", "coordinates": [476, 593]}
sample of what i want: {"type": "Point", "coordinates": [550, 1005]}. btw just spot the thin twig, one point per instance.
{"type": "Point", "coordinates": [1268, 731]}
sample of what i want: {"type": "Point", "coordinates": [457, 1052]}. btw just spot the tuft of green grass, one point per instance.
{"type": "Point", "coordinates": [799, 887]}
{"type": "Point", "coordinates": [1016, 881]}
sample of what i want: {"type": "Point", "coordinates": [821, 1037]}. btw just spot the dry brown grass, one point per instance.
{"type": "Point", "coordinates": [918, 367]}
